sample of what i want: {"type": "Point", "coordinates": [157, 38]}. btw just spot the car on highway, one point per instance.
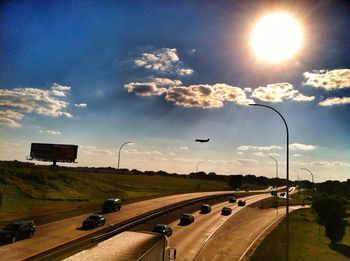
{"type": "Point", "coordinates": [205, 208]}
{"type": "Point", "coordinates": [232, 199]}
{"type": "Point", "coordinates": [241, 203]}
{"type": "Point", "coordinates": [93, 221]}
{"type": "Point", "coordinates": [112, 204]}
{"type": "Point", "coordinates": [226, 211]}
{"type": "Point", "coordinates": [163, 229]}
{"type": "Point", "coordinates": [186, 219]}
{"type": "Point", "coordinates": [17, 230]}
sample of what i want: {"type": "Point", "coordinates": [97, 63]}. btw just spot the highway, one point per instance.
{"type": "Point", "coordinates": [216, 237]}
{"type": "Point", "coordinates": [189, 240]}
{"type": "Point", "coordinates": [57, 233]}
{"type": "Point", "coordinates": [238, 237]}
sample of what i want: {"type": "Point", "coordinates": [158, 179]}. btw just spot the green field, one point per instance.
{"type": "Point", "coordinates": [307, 241]}
{"type": "Point", "coordinates": [38, 192]}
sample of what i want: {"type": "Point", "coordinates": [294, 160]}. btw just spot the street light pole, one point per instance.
{"type": "Point", "coordinates": [128, 142]}
{"type": "Point", "coordinates": [312, 175]}
{"type": "Point", "coordinates": [198, 165]}
{"type": "Point", "coordinates": [276, 165]}
{"type": "Point", "coordinates": [297, 174]}
{"type": "Point", "coordinates": [287, 177]}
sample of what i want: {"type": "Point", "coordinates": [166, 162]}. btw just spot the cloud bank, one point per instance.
{"type": "Point", "coordinates": [155, 86]}
{"type": "Point", "coordinates": [206, 96]}
{"type": "Point", "coordinates": [15, 102]}
{"type": "Point", "coordinates": [335, 101]}
{"type": "Point", "coordinates": [277, 92]}
{"type": "Point", "coordinates": [164, 60]}
{"type": "Point", "coordinates": [328, 79]}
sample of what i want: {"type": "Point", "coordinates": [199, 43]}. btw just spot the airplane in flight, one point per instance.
{"type": "Point", "coordinates": [201, 140]}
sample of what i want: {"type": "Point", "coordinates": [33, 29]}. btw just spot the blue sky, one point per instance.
{"type": "Point", "coordinates": [161, 74]}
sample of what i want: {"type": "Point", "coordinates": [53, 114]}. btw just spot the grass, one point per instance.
{"type": "Point", "coordinates": [39, 192]}
{"type": "Point", "coordinates": [307, 241]}
{"type": "Point", "coordinates": [271, 202]}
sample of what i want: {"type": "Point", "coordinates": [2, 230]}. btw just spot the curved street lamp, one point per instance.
{"type": "Point", "coordinates": [297, 174]}
{"type": "Point", "coordinates": [287, 176]}
{"type": "Point", "coordinates": [128, 142]}
{"type": "Point", "coordinates": [276, 165]}
{"type": "Point", "coordinates": [312, 175]}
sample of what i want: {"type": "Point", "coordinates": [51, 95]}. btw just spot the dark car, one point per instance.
{"type": "Point", "coordinates": [94, 221]}
{"type": "Point", "coordinates": [17, 230]}
{"type": "Point", "coordinates": [232, 199]}
{"type": "Point", "coordinates": [205, 209]}
{"type": "Point", "coordinates": [241, 203]}
{"type": "Point", "coordinates": [186, 219]}
{"type": "Point", "coordinates": [112, 204]}
{"type": "Point", "coordinates": [163, 229]}
{"type": "Point", "coordinates": [226, 211]}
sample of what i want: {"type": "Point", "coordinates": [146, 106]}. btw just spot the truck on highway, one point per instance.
{"type": "Point", "coordinates": [130, 246]}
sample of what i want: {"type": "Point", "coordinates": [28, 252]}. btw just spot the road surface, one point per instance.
{"type": "Point", "coordinates": [59, 232]}
{"type": "Point", "coordinates": [189, 240]}
{"type": "Point", "coordinates": [238, 237]}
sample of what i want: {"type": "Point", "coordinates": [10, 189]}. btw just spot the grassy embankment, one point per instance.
{"type": "Point", "coordinates": [39, 192]}
{"type": "Point", "coordinates": [307, 241]}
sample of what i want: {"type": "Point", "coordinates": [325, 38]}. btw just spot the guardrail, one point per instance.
{"type": "Point", "coordinates": [84, 242]}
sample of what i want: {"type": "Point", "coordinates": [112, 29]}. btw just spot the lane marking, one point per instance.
{"type": "Point", "coordinates": [245, 252]}
{"type": "Point", "coordinates": [211, 234]}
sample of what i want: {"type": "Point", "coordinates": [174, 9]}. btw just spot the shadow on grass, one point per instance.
{"type": "Point", "coordinates": [341, 249]}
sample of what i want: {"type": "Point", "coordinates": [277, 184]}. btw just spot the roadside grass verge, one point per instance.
{"type": "Point", "coordinates": [39, 192]}
{"type": "Point", "coordinates": [307, 241]}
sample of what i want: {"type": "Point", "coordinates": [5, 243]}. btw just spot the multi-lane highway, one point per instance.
{"type": "Point", "coordinates": [189, 240]}
{"type": "Point", "coordinates": [57, 233]}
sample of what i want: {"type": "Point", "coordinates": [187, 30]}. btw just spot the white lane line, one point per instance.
{"type": "Point", "coordinates": [206, 241]}
{"type": "Point", "coordinates": [245, 252]}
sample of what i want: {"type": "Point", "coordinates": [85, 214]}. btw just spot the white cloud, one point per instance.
{"type": "Point", "coordinates": [258, 148]}
{"type": "Point", "coordinates": [206, 96]}
{"type": "Point", "coordinates": [278, 92]}
{"type": "Point", "coordinates": [135, 151]}
{"type": "Point", "coordinates": [156, 86]}
{"type": "Point", "coordinates": [246, 161]}
{"type": "Point", "coordinates": [184, 71]}
{"type": "Point", "coordinates": [9, 118]}
{"type": "Point", "coordinates": [59, 90]}
{"type": "Point", "coordinates": [164, 60]}
{"type": "Point", "coordinates": [328, 79]}
{"type": "Point", "coordinates": [51, 132]}
{"type": "Point", "coordinates": [340, 164]}
{"type": "Point", "coordinates": [299, 146]}
{"type": "Point", "coordinates": [33, 100]}
{"type": "Point", "coordinates": [262, 154]}
{"type": "Point", "coordinates": [92, 150]}
{"type": "Point", "coordinates": [182, 148]}
{"type": "Point", "coordinates": [335, 101]}
{"type": "Point", "coordinates": [80, 105]}
{"type": "Point", "coordinates": [297, 155]}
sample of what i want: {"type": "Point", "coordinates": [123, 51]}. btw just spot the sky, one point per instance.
{"type": "Point", "coordinates": [164, 73]}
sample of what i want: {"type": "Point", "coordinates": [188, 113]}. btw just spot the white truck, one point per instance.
{"type": "Point", "coordinates": [129, 246]}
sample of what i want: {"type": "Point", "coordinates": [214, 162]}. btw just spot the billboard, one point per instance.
{"type": "Point", "coordinates": [53, 152]}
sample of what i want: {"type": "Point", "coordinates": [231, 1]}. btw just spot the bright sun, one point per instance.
{"type": "Point", "coordinates": [276, 37]}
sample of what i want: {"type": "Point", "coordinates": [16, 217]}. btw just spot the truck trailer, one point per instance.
{"type": "Point", "coordinates": [129, 246]}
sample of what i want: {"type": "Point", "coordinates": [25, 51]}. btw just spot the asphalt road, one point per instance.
{"type": "Point", "coordinates": [189, 240]}
{"type": "Point", "coordinates": [238, 237]}
{"type": "Point", "coordinates": [56, 233]}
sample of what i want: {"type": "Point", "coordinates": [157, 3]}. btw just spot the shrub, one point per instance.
{"type": "Point", "coordinates": [335, 228]}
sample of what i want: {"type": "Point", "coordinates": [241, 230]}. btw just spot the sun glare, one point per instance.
{"type": "Point", "coordinates": [276, 37]}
